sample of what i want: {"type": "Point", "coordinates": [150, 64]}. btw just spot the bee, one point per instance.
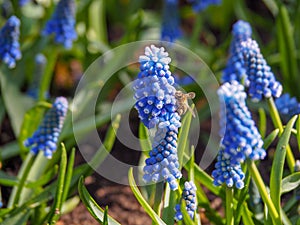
{"type": "Point", "coordinates": [182, 102]}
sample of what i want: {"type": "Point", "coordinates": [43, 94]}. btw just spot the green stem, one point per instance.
{"type": "Point", "coordinates": [263, 191]}
{"type": "Point", "coordinates": [278, 124]}
{"type": "Point", "coordinates": [36, 171]}
{"type": "Point", "coordinates": [159, 188]}
{"type": "Point", "coordinates": [196, 30]}
{"type": "Point", "coordinates": [229, 206]}
{"type": "Point", "coordinates": [22, 175]}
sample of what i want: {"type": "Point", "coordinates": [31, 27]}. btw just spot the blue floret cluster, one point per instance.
{"type": "Point", "coordinates": [247, 65]}
{"type": "Point", "coordinates": [189, 196]}
{"type": "Point", "coordinates": [241, 139]}
{"type": "Point", "coordinates": [62, 23]}
{"type": "Point", "coordinates": [156, 105]}
{"type": "Point", "coordinates": [170, 30]}
{"type": "Point", "coordinates": [46, 136]}
{"type": "Point", "coordinates": [200, 5]}
{"type": "Point", "coordinates": [235, 70]}
{"type": "Point", "coordinates": [9, 42]}
{"type": "Point", "coordinates": [262, 82]}
{"type": "Point", "coordinates": [287, 106]}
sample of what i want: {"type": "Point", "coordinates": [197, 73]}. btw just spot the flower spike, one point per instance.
{"type": "Point", "coordinates": [9, 42]}
{"type": "Point", "coordinates": [156, 105]}
{"type": "Point", "coordinates": [46, 136]}
{"type": "Point", "coordinates": [241, 139]}
{"type": "Point", "coordinates": [62, 23]}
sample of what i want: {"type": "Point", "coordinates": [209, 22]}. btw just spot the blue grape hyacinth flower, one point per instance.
{"type": "Point", "coordinates": [62, 23]}
{"type": "Point", "coordinates": [235, 69]}
{"type": "Point", "coordinates": [287, 106]}
{"type": "Point", "coordinates": [262, 82]}
{"type": "Point", "coordinates": [156, 105]}
{"type": "Point", "coordinates": [9, 42]}
{"type": "Point", "coordinates": [170, 30]}
{"type": "Point", "coordinates": [154, 87]}
{"type": "Point", "coordinates": [200, 5]}
{"type": "Point", "coordinates": [241, 139]}
{"type": "Point", "coordinates": [189, 196]}
{"type": "Point", "coordinates": [46, 136]}
{"type": "Point", "coordinates": [23, 2]}
{"type": "Point", "coordinates": [40, 63]}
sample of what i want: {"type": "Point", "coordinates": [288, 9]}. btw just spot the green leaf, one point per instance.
{"type": "Point", "coordinates": [95, 210]}
{"type": "Point", "coordinates": [9, 150]}
{"type": "Point", "coordinates": [56, 207]}
{"type": "Point", "coordinates": [16, 104]}
{"type": "Point", "coordinates": [287, 51]}
{"type": "Point", "coordinates": [30, 123]}
{"type": "Point", "coordinates": [183, 136]}
{"type": "Point", "coordinates": [169, 205]}
{"type": "Point", "coordinates": [298, 132]}
{"type": "Point", "coordinates": [44, 179]}
{"type": "Point", "coordinates": [144, 138]}
{"type": "Point", "coordinates": [18, 219]}
{"type": "Point", "coordinates": [270, 138]}
{"type": "Point", "coordinates": [290, 182]}
{"type": "Point", "coordinates": [247, 216]}
{"type": "Point", "coordinates": [142, 201]}
{"type": "Point", "coordinates": [8, 180]}
{"type": "Point", "coordinates": [278, 164]}
{"type": "Point", "coordinates": [262, 122]}
{"type": "Point", "coordinates": [69, 173]}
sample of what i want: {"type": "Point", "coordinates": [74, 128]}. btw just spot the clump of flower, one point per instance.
{"type": "Point", "coordinates": [156, 105]}
{"type": "Point", "coordinates": [287, 106]}
{"type": "Point", "coordinates": [262, 82]}
{"type": "Point", "coordinates": [200, 5]}
{"type": "Point", "coordinates": [9, 42]}
{"type": "Point", "coordinates": [46, 136]}
{"type": "Point", "coordinates": [170, 30]}
{"type": "Point", "coordinates": [40, 63]}
{"type": "Point", "coordinates": [62, 23]}
{"type": "Point", "coordinates": [189, 196]}
{"type": "Point", "coordinates": [247, 65]}
{"type": "Point", "coordinates": [23, 2]}
{"type": "Point", "coordinates": [235, 69]}
{"type": "Point", "coordinates": [241, 139]}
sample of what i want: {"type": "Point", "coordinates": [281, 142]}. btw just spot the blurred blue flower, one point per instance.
{"type": "Point", "coordinates": [287, 106]}
{"type": "Point", "coordinates": [189, 196]}
{"type": "Point", "coordinates": [23, 2]}
{"type": "Point", "coordinates": [62, 23]}
{"type": "Point", "coordinates": [46, 136]}
{"type": "Point", "coordinates": [170, 30]}
{"type": "Point", "coordinates": [9, 42]}
{"type": "Point", "coordinates": [200, 5]}
{"type": "Point", "coordinates": [40, 63]}
{"type": "Point", "coordinates": [183, 80]}
{"type": "Point", "coordinates": [262, 82]}
{"type": "Point", "coordinates": [241, 138]}
{"type": "Point", "coordinates": [156, 105]}
{"type": "Point", "coordinates": [234, 69]}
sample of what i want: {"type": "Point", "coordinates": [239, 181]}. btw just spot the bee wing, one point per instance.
{"type": "Point", "coordinates": [190, 109]}
{"type": "Point", "coordinates": [191, 95]}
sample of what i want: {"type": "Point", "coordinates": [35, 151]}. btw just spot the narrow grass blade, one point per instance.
{"type": "Point", "coordinates": [56, 207]}
{"type": "Point", "coordinates": [278, 164]}
{"type": "Point", "coordinates": [144, 138]}
{"type": "Point", "coordinates": [270, 138]}
{"type": "Point", "coordinates": [142, 201]}
{"type": "Point", "coordinates": [262, 122]}
{"type": "Point", "coordinates": [183, 135]}
{"type": "Point", "coordinates": [290, 182]}
{"type": "Point", "coordinates": [8, 180]}
{"type": "Point", "coordinates": [18, 219]}
{"type": "Point", "coordinates": [95, 210]}
{"type": "Point", "coordinates": [247, 216]}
